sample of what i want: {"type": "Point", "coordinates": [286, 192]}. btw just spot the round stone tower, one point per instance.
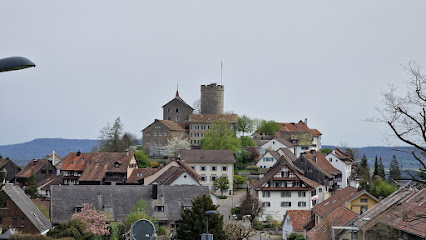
{"type": "Point", "coordinates": [212, 99]}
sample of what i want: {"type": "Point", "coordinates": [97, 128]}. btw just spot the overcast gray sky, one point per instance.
{"type": "Point", "coordinates": [326, 61]}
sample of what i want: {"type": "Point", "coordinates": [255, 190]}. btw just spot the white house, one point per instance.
{"type": "Point", "coordinates": [285, 188]}
{"type": "Point", "coordinates": [268, 159]}
{"type": "Point", "coordinates": [175, 173]}
{"type": "Point", "coordinates": [210, 165]}
{"type": "Point", "coordinates": [275, 144]}
{"type": "Point", "coordinates": [341, 160]}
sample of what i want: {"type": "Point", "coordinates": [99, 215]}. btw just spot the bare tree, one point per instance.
{"type": "Point", "coordinates": [251, 206]}
{"type": "Point", "coordinates": [406, 115]}
{"type": "Point", "coordinates": [197, 106]}
{"type": "Point", "coordinates": [235, 231]}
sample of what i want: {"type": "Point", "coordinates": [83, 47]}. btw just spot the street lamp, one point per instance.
{"type": "Point", "coordinates": [207, 236]}
{"type": "Point", "coordinates": [15, 63]}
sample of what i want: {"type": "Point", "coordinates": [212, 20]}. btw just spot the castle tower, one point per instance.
{"type": "Point", "coordinates": [212, 99]}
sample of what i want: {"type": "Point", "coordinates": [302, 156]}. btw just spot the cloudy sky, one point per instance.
{"type": "Point", "coordinates": [327, 61]}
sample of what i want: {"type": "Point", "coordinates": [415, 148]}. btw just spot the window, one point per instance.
{"type": "Point", "coordinates": [168, 110]}
{"type": "Point", "coordinates": [22, 222]}
{"type": "Point", "coordinates": [165, 133]}
{"type": "Point", "coordinates": [176, 118]}
{"type": "Point", "coordinates": [78, 208]}
{"type": "Point", "coordinates": [155, 133]}
{"type": "Point", "coordinates": [266, 194]}
{"type": "Point", "coordinates": [313, 193]}
{"type": "Point", "coordinates": [301, 204]}
{"type": "Point", "coordinates": [288, 222]}
{"type": "Point", "coordinates": [193, 167]}
{"type": "Point", "coordinates": [155, 142]}
{"type": "Point", "coordinates": [305, 148]}
{"type": "Point", "coordinates": [203, 168]}
{"type": "Point", "coordinates": [169, 118]}
{"type": "Point", "coordinates": [364, 200]}
{"type": "Point", "coordinates": [285, 204]}
{"type": "Point", "coordinates": [224, 168]}
{"type": "Point", "coordinates": [213, 178]}
{"type": "Point", "coordinates": [203, 178]}
{"type": "Point", "coordinates": [285, 194]}
{"type": "Point", "coordinates": [160, 133]}
{"type": "Point", "coordinates": [314, 202]}
{"type": "Point", "coordinates": [302, 194]}
{"type": "Point", "coordinates": [4, 204]}
{"type": "Point", "coordinates": [159, 208]}
{"type": "Point", "coordinates": [43, 171]}
{"type": "Point", "coordinates": [177, 109]}
{"type": "Point", "coordinates": [213, 168]}
{"type": "Point", "coordinates": [266, 204]}
{"type": "Point", "coordinates": [320, 189]}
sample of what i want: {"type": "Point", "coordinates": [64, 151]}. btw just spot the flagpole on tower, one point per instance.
{"type": "Point", "coordinates": [221, 72]}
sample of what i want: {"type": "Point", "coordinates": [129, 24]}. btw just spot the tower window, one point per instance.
{"type": "Point", "coordinates": [177, 109]}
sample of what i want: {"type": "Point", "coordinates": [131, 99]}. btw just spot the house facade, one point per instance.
{"type": "Point", "coordinates": [285, 188]}
{"type": "Point", "coordinates": [177, 110]}
{"type": "Point", "coordinates": [319, 169]}
{"type": "Point", "coordinates": [210, 165]}
{"type": "Point", "coordinates": [341, 161]}
{"type": "Point", "coordinates": [156, 135]}
{"type": "Point", "coordinates": [19, 212]}
{"type": "Point", "coordinates": [41, 168]}
{"type": "Point", "coordinates": [10, 168]}
{"type": "Point", "coordinates": [177, 172]}
{"type": "Point", "coordinates": [199, 124]}
{"type": "Point", "coordinates": [275, 144]}
{"type": "Point", "coordinates": [268, 159]}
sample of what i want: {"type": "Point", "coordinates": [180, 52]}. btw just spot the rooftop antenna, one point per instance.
{"type": "Point", "coordinates": [177, 89]}
{"type": "Point", "coordinates": [221, 72]}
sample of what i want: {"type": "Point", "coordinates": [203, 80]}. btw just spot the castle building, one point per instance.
{"type": "Point", "coordinates": [177, 110]}
{"type": "Point", "coordinates": [212, 99]}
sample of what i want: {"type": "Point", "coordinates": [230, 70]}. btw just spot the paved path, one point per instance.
{"type": "Point", "coordinates": [225, 205]}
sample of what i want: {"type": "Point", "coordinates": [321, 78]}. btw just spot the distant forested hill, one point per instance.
{"type": "Point", "coordinates": [405, 159]}
{"type": "Point", "coordinates": [22, 153]}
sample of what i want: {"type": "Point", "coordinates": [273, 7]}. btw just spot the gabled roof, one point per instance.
{"type": "Point", "coordinates": [340, 154]}
{"type": "Point", "coordinates": [401, 210]}
{"type": "Point", "coordinates": [3, 161]}
{"type": "Point", "coordinates": [139, 174]}
{"type": "Point", "coordinates": [282, 141]}
{"type": "Point", "coordinates": [320, 162]}
{"type": "Point", "coordinates": [169, 176]}
{"type": "Point", "coordinates": [32, 168]}
{"type": "Point", "coordinates": [121, 199]}
{"type": "Point", "coordinates": [75, 161]}
{"type": "Point", "coordinates": [298, 218]}
{"type": "Point", "coordinates": [102, 162]}
{"type": "Point", "coordinates": [18, 196]}
{"type": "Point", "coordinates": [338, 199]}
{"type": "Point", "coordinates": [57, 157]}
{"type": "Point", "coordinates": [282, 162]}
{"type": "Point", "coordinates": [231, 118]}
{"type": "Point", "coordinates": [274, 154]}
{"type": "Point", "coordinates": [339, 217]}
{"type": "Point", "coordinates": [206, 156]}
{"type": "Point", "coordinates": [171, 125]}
{"type": "Point", "coordinates": [179, 99]}
{"type": "Point", "coordinates": [299, 127]}
{"type": "Point", "coordinates": [288, 154]}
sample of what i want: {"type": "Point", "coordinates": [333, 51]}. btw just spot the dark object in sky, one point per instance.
{"type": "Point", "coordinates": [15, 63]}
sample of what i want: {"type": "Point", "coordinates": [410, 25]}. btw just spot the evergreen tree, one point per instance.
{"type": "Point", "coordinates": [31, 187]}
{"type": "Point", "coordinates": [193, 221]}
{"type": "Point", "coordinates": [394, 172]}
{"type": "Point", "coordinates": [376, 167]}
{"type": "Point", "coordinates": [363, 169]}
{"type": "Point", "coordinates": [381, 170]}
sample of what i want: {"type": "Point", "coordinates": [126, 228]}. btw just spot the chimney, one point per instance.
{"type": "Point", "coordinates": [314, 153]}
{"type": "Point", "coordinates": [78, 153]}
{"type": "Point", "coordinates": [53, 158]}
{"type": "Point", "coordinates": [154, 191]}
{"type": "Point", "coordinates": [100, 201]}
{"type": "Point", "coordinates": [306, 122]}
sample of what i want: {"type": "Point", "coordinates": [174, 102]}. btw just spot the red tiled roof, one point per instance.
{"type": "Point", "coordinates": [140, 173]}
{"type": "Point", "coordinates": [171, 125]}
{"type": "Point", "coordinates": [298, 218]}
{"type": "Point", "coordinates": [231, 118]}
{"type": "Point", "coordinates": [320, 162]}
{"type": "Point", "coordinates": [32, 168]}
{"type": "Point", "coordinates": [339, 217]}
{"type": "Point", "coordinates": [338, 199]}
{"type": "Point", "coordinates": [102, 162]}
{"type": "Point", "coordinates": [341, 155]}
{"type": "Point", "coordinates": [75, 161]}
{"type": "Point", "coordinates": [299, 127]}
{"type": "Point", "coordinates": [401, 210]}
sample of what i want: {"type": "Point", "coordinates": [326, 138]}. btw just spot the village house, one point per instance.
{"type": "Point", "coordinates": [401, 215]}
{"type": "Point", "coordinates": [165, 202]}
{"type": "Point", "coordinates": [138, 175]}
{"type": "Point", "coordinates": [210, 165]}
{"type": "Point", "coordinates": [354, 199]}
{"type": "Point", "coordinates": [99, 168]}
{"type": "Point", "coordinates": [19, 212]}
{"type": "Point", "coordinates": [9, 168]}
{"type": "Point", "coordinates": [293, 222]}
{"type": "Point", "coordinates": [275, 144]}
{"type": "Point", "coordinates": [41, 168]}
{"type": "Point", "coordinates": [285, 188]}
{"type": "Point", "coordinates": [269, 159]}
{"type": "Point", "coordinates": [317, 168]}
{"type": "Point", "coordinates": [158, 133]}
{"type": "Point", "coordinates": [177, 172]}
{"type": "Point", "coordinates": [341, 160]}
